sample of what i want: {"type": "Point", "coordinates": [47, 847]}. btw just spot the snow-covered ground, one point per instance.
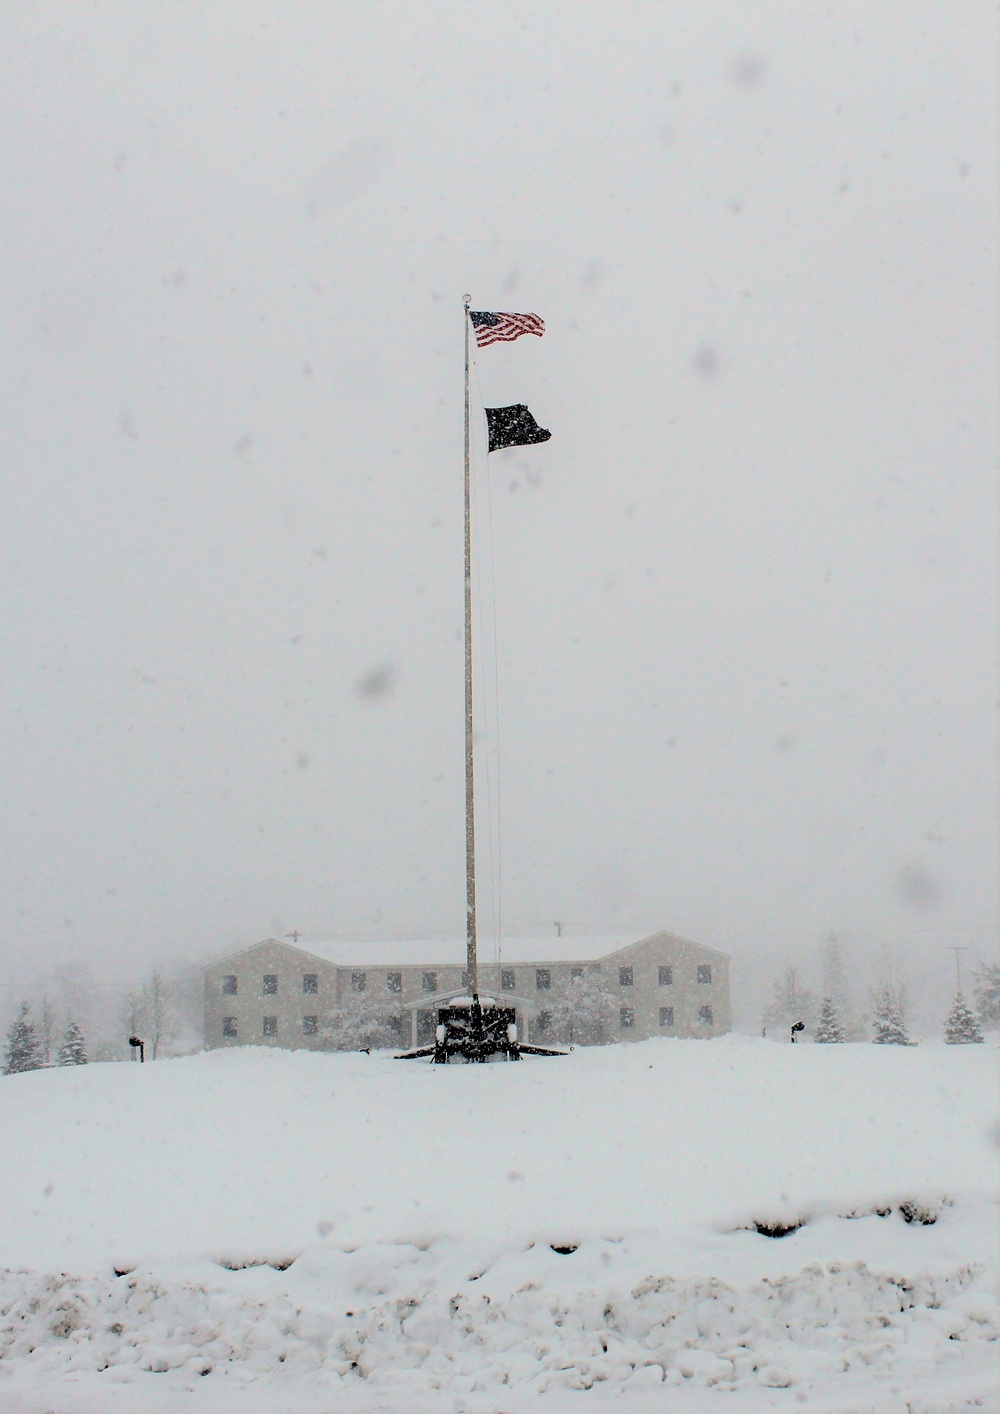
{"type": "Point", "coordinates": [276, 1232]}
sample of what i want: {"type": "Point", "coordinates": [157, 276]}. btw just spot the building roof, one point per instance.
{"type": "Point", "coordinates": [450, 952]}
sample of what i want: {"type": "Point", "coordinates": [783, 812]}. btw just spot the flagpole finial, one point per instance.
{"type": "Point", "coordinates": [466, 300]}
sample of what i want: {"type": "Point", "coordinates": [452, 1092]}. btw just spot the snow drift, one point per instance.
{"type": "Point", "coordinates": [751, 1225]}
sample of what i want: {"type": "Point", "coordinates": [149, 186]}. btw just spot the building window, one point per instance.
{"type": "Point", "coordinates": [270, 1026]}
{"type": "Point", "coordinates": [395, 1025]}
{"type": "Point", "coordinates": [230, 986]}
{"type": "Point", "coordinates": [666, 1016]}
{"type": "Point", "coordinates": [394, 981]}
{"type": "Point", "coordinates": [544, 1020]}
{"type": "Point", "coordinates": [359, 981]}
{"type": "Point", "coordinates": [310, 1026]}
{"type": "Point", "coordinates": [624, 976]}
{"type": "Point", "coordinates": [576, 974]}
{"type": "Point", "coordinates": [507, 981]}
{"type": "Point", "coordinates": [270, 984]}
{"type": "Point", "coordinates": [310, 981]}
{"type": "Point", "coordinates": [543, 979]}
{"type": "Point", "coordinates": [704, 974]}
{"type": "Point", "coordinates": [666, 977]}
{"type": "Point", "coordinates": [229, 1026]}
{"type": "Point", "coordinates": [626, 1018]}
{"type": "Point", "coordinates": [705, 1015]}
{"type": "Point", "coordinates": [429, 982]}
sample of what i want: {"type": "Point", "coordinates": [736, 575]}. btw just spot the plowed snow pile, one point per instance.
{"type": "Point", "coordinates": [697, 1226]}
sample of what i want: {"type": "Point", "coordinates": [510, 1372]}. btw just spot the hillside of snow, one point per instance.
{"type": "Point", "coordinates": [747, 1225]}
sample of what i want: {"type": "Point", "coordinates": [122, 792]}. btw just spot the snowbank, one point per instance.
{"type": "Point", "coordinates": [291, 1225]}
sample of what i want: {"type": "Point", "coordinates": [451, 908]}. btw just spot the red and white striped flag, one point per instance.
{"type": "Point", "coordinates": [503, 328]}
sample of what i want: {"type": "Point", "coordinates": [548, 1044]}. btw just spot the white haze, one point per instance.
{"type": "Point", "coordinates": [745, 599]}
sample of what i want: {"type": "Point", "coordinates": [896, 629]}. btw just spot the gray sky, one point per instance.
{"type": "Point", "coordinates": [745, 599]}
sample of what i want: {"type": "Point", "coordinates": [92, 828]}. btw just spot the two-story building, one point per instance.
{"type": "Point", "coordinates": [275, 993]}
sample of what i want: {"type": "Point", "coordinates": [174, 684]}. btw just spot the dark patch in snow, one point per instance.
{"type": "Point", "coordinates": [237, 1264]}
{"type": "Point", "coordinates": [924, 1213]}
{"type": "Point", "coordinates": [777, 1229]}
{"type": "Point", "coordinates": [564, 1251]}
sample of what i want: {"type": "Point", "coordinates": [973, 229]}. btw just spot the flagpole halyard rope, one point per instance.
{"type": "Point", "coordinates": [497, 882]}
{"type": "Point", "coordinates": [470, 805]}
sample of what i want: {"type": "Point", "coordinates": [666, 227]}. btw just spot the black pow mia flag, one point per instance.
{"type": "Point", "coordinates": [513, 427]}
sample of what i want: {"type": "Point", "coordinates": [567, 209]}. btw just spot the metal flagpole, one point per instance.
{"type": "Point", "coordinates": [470, 807]}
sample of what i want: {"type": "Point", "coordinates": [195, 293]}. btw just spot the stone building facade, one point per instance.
{"type": "Point", "coordinates": [276, 994]}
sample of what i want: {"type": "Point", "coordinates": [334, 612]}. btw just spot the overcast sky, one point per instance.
{"type": "Point", "coordinates": [743, 678]}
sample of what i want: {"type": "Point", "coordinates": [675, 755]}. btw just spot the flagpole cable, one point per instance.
{"type": "Point", "coordinates": [484, 703]}
{"type": "Point", "coordinates": [498, 909]}
{"type": "Point", "coordinates": [497, 883]}
{"type": "Point", "coordinates": [470, 802]}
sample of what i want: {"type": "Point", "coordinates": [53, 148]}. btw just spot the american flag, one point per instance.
{"type": "Point", "coordinates": [503, 328]}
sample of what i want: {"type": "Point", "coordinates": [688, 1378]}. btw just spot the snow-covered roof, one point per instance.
{"type": "Point", "coordinates": [413, 952]}
{"type": "Point", "coordinates": [442, 951]}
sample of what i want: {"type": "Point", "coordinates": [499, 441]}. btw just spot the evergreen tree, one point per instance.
{"type": "Point", "coordinates": [581, 1011]}
{"type": "Point", "coordinates": [23, 1048]}
{"type": "Point", "coordinates": [836, 986]}
{"type": "Point", "coordinates": [828, 1028]}
{"type": "Point", "coordinates": [987, 994]}
{"type": "Point", "coordinates": [72, 1051]}
{"type": "Point", "coordinates": [888, 1020]}
{"type": "Point", "coordinates": [961, 1027]}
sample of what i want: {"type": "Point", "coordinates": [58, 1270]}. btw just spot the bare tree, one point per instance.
{"type": "Point", "coordinates": [987, 993]}
{"type": "Point", "coordinates": [360, 1022]}
{"type": "Point", "coordinates": [581, 1011]}
{"type": "Point", "coordinates": [132, 1013]}
{"type": "Point", "coordinates": [46, 1029]}
{"type": "Point", "coordinates": [159, 1012]}
{"type": "Point", "coordinates": [791, 1002]}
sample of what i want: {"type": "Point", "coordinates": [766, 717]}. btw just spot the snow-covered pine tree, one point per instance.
{"type": "Point", "coordinates": [581, 1010]}
{"type": "Point", "coordinates": [23, 1049]}
{"type": "Point", "coordinates": [73, 1051]}
{"type": "Point", "coordinates": [887, 1021]}
{"type": "Point", "coordinates": [836, 974]}
{"type": "Point", "coordinates": [828, 1028]}
{"type": "Point", "coordinates": [961, 1027]}
{"type": "Point", "coordinates": [987, 994]}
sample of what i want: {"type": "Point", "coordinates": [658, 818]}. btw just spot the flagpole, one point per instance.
{"type": "Point", "coordinates": [470, 806]}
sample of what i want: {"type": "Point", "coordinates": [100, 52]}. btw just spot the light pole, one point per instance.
{"type": "Point", "coordinates": [958, 962]}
